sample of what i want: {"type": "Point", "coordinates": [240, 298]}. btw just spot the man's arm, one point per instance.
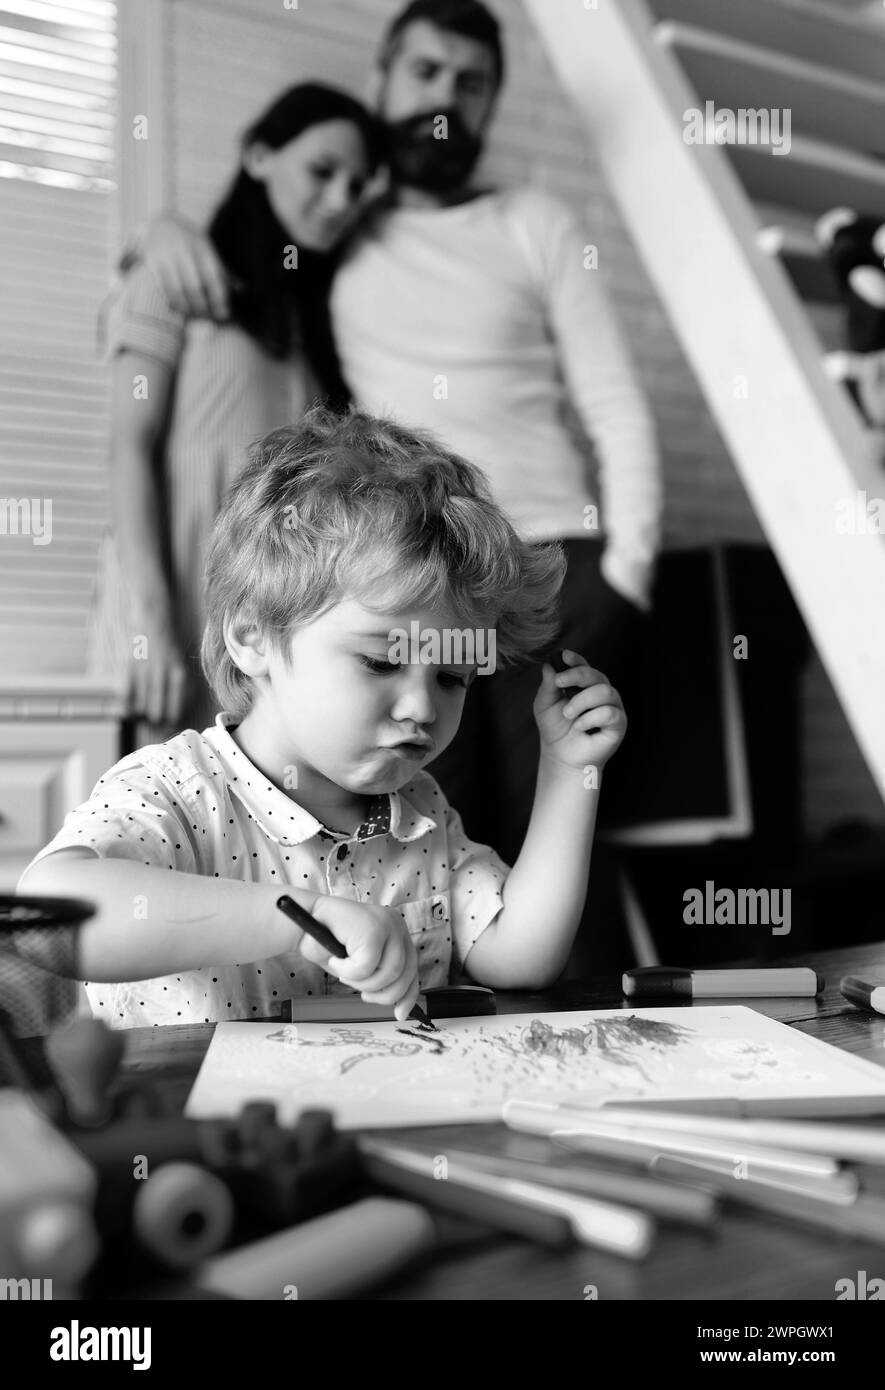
{"type": "Point", "coordinates": [612, 405]}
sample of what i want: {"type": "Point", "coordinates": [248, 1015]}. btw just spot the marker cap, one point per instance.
{"type": "Point", "coordinates": [663, 981]}
{"type": "Point", "coordinates": [869, 994]}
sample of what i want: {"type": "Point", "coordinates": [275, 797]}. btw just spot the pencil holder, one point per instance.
{"type": "Point", "coordinates": [39, 941]}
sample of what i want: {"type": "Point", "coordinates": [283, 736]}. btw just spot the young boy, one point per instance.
{"type": "Point", "coordinates": [345, 545]}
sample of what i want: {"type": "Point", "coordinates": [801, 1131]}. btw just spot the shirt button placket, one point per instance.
{"type": "Point", "coordinates": [345, 854]}
{"type": "Point", "coordinates": [338, 867]}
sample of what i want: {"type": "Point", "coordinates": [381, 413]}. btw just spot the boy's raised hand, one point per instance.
{"type": "Point", "coordinates": [381, 963]}
{"type": "Point", "coordinates": [580, 716]}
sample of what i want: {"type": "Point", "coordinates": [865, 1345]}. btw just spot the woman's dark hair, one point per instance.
{"type": "Point", "coordinates": [278, 306]}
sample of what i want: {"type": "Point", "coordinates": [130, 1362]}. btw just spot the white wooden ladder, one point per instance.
{"type": "Point", "coordinates": [725, 233]}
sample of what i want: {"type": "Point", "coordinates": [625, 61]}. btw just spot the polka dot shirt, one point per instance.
{"type": "Point", "coordinates": [198, 805]}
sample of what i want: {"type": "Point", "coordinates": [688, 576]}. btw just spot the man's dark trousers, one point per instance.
{"type": "Point", "coordinates": [488, 772]}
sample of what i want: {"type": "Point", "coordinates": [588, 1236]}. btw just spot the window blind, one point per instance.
{"type": "Point", "coordinates": [57, 95]}
{"type": "Point", "coordinates": [57, 70]}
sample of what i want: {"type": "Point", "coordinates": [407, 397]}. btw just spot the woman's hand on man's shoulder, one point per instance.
{"type": "Point", "coordinates": [187, 268]}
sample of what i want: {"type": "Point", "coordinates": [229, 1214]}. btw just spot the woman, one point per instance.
{"type": "Point", "coordinates": [190, 396]}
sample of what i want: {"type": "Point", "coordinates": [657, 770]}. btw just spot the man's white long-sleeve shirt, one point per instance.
{"type": "Point", "coordinates": [483, 322]}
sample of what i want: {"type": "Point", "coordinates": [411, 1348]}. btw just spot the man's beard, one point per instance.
{"type": "Point", "coordinates": [420, 160]}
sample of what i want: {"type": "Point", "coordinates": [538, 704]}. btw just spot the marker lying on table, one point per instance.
{"type": "Point", "coordinates": [602, 1133]}
{"type": "Point", "coordinates": [830, 1185]}
{"type": "Point", "coordinates": [804, 1176]}
{"type": "Point", "coordinates": [849, 1143]}
{"type": "Point", "coordinates": [862, 1217]}
{"type": "Point", "coordinates": [829, 1140]}
{"type": "Point", "coordinates": [673, 982]}
{"type": "Point", "coordinates": [690, 1206]}
{"type": "Point", "coordinates": [528, 1209]}
{"type": "Point", "coordinates": [869, 994]}
{"type": "Point", "coordinates": [841, 1189]}
{"type": "Point", "coordinates": [323, 937]}
{"type": "Point", "coordinates": [615, 1142]}
{"type": "Point", "coordinates": [439, 1001]}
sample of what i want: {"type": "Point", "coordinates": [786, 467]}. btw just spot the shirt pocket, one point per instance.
{"type": "Point", "coordinates": [429, 924]}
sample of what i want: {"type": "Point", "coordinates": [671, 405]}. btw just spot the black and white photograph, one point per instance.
{"type": "Point", "coordinates": [442, 671]}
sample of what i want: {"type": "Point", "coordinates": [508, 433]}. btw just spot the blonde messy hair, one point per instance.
{"type": "Point", "coordinates": [358, 507]}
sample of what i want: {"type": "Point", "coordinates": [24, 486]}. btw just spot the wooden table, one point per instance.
{"type": "Point", "coordinates": [750, 1256]}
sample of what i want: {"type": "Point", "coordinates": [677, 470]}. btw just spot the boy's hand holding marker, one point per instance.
{"type": "Point", "coordinates": [579, 715]}
{"type": "Point", "coordinates": [367, 948]}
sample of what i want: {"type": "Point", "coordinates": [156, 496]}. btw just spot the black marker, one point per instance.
{"type": "Point", "coordinates": [557, 660]}
{"type": "Point", "coordinates": [23, 912]}
{"type": "Point", "coordinates": [649, 981]}
{"type": "Point", "coordinates": [867, 994]}
{"type": "Point", "coordinates": [323, 937]}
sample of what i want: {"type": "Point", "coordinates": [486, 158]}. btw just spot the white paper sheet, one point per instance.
{"type": "Point", "coordinates": [388, 1074]}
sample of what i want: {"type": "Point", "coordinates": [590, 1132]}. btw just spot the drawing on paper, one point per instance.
{"type": "Point", "coordinates": [381, 1074]}
{"type": "Point", "coordinates": [620, 1040]}
{"type": "Point", "coordinates": [341, 1036]}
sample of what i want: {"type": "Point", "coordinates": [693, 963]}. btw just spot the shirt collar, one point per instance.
{"type": "Point", "coordinates": [281, 818]}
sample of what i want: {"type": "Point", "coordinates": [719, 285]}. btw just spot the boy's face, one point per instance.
{"type": "Point", "coordinates": [344, 709]}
